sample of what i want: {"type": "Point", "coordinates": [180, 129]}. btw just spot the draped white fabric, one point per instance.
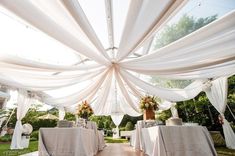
{"type": "Point", "coordinates": [23, 105]}
{"type": "Point", "coordinates": [137, 31]}
{"type": "Point", "coordinates": [4, 95]}
{"type": "Point", "coordinates": [61, 113]}
{"type": "Point", "coordinates": [206, 53]}
{"type": "Point", "coordinates": [217, 95]}
{"type": "Point", "coordinates": [117, 119]}
{"type": "Point", "coordinates": [53, 26]}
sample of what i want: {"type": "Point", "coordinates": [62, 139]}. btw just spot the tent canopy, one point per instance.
{"type": "Point", "coordinates": [109, 46]}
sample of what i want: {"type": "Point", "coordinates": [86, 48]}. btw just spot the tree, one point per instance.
{"type": "Point", "coordinates": [198, 109]}
{"type": "Point", "coordinates": [173, 32]}
{"type": "Point", "coordinates": [131, 119]}
{"type": "Point", "coordinates": [185, 25]}
{"type": "Point", "coordinates": [129, 126]}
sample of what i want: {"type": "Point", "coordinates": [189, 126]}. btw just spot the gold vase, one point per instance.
{"type": "Point", "coordinates": [149, 114]}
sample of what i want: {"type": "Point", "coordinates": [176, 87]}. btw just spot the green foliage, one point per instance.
{"type": "Point", "coordinates": [131, 119]}
{"type": "Point", "coordinates": [129, 126]}
{"type": "Point", "coordinates": [100, 125]}
{"type": "Point", "coordinates": [103, 122]}
{"type": "Point", "coordinates": [108, 132]}
{"type": "Point", "coordinates": [32, 118]}
{"type": "Point", "coordinates": [167, 83]}
{"type": "Point", "coordinates": [111, 140]}
{"type": "Point", "coordinates": [122, 128]}
{"type": "Point", "coordinates": [69, 116]}
{"type": "Point", "coordinates": [5, 149]}
{"type": "Point", "coordinates": [5, 138]}
{"type": "Point", "coordinates": [201, 111]}
{"type": "Point", "coordinates": [185, 26]}
{"type": "Point", "coordinates": [34, 135]}
{"type": "Point", "coordinates": [107, 124]}
{"type": "Point", "coordinates": [171, 33]}
{"type": "Point", "coordinates": [164, 115]}
{"type": "Point", "coordinates": [112, 125]}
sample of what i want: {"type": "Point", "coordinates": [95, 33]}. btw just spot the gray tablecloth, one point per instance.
{"type": "Point", "coordinates": [178, 141]}
{"type": "Point", "coordinates": [66, 142]}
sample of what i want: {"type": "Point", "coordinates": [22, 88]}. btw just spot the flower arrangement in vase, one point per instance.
{"type": "Point", "coordinates": [85, 110]}
{"type": "Point", "coordinates": [148, 105]}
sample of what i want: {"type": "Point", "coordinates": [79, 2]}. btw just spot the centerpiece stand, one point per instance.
{"type": "Point", "coordinates": [149, 114]}
{"type": "Point", "coordinates": [148, 105]}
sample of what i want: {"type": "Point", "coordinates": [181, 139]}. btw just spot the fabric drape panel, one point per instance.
{"type": "Point", "coordinates": [206, 53]}
{"type": "Point", "coordinates": [24, 79]}
{"type": "Point", "coordinates": [168, 94]}
{"type": "Point", "coordinates": [126, 94]}
{"type": "Point", "coordinates": [77, 13]}
{"type": "Point", "coordinates": [117, 119]}
{"type": "Point", "coordinates": [101, 107]}
{"type": "Point", "coordinates": [10, 61]}
{"type": "Point", "coordinates": [217, 95]}
{"type": "Point", "coordinates": [4, 95]}
{"type": "Point", "coordinates": [126, 109]}
{"type": "Point", "coordinates": [136, 30]}
{"type": "Point", "coordinates": [165, 105]}
{"type": "Point", "coordinates": [133, 88]}
{"type": "Point", "coordinates": [78, 96]}
{"type": "Point", "coordinates": [208, 48]}
{"type": "Point", "coordinates": [61, 113]}
{"type": "Point", "coordinates": [24, 103]}
{"type": "Point", "coordinates": [40, 20]}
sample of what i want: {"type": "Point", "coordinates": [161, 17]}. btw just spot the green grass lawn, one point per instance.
{"type": "Point", "coordinates": [5, 149]}
{"type": "Point", "coordinates": [111, 140]}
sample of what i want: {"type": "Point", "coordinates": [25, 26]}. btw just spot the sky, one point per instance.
{"type": "Point", "coordinates": [18, 38]}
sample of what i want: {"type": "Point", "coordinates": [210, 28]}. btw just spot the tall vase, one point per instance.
{"type": "Point", "coordinates": [149, 114]}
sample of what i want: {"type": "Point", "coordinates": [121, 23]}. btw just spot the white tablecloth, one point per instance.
{"type": "Point", "coordinates": [99, 141]}
{"type": "Point", "coordinates": [66, 142]}
{"type": "Point", "coordinates": [178, 141]}
{"type": "Point", "coordinates": [136, 137]}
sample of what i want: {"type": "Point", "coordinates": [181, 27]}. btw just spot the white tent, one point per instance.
{"type": "Point", "coordinates": [105, 66]}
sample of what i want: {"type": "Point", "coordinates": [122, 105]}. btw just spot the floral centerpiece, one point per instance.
{"type": "Point", "coordinates": [148, 105]}
{"type": "Point", "coordinates": [148, 102]}
{"type": "Point", "coordinates": [85, 110]}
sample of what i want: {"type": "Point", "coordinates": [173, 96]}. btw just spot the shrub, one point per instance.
{"type": "Point", "coordinates": [34, 135]}
{"type": "Point", "coordinates": [129, 126]}
{"type": "Point", "coordinates": [5, 138]}
{"type": "Point", "coordinates": [122, 128]}
{"type": "Point", "coordinates": [33, 139]}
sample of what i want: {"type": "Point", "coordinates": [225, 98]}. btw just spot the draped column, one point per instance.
{"type": "Point", "coordinates": [217, 95]}
{"type": "Point", "coordinates": [117, 119]}
{"type": "Point", "coordinates": [61, 113]}
{"type": "Point", "coordinates": [24, 102]}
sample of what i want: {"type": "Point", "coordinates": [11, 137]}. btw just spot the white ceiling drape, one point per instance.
{"type": "Point", "coordinates": [206, 53]}
{"type": "Point", "coordinates": [217, 94]}
{"type": "Point", "coordinates": [24, 103]}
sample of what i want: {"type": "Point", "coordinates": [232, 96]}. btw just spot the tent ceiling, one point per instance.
{"type": "Point", "coordinates": [110, 42]}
